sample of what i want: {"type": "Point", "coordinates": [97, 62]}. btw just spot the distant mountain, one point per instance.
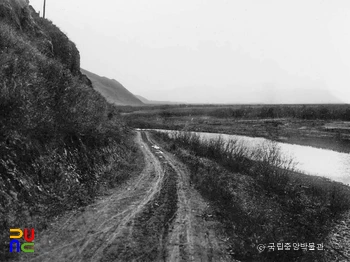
{"type": "Point", "coordinates": [151, 102]}
{"type": "Point", "coordinates": [246, 94]}
{"type": "Point", "coordinates": [112, 90]}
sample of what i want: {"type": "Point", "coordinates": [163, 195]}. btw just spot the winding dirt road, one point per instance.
{"type": "Point", "coordinates": [156, 216]}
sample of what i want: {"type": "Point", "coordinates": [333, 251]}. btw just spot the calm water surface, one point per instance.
{"type": "Point", "coordinates": [309, 160]}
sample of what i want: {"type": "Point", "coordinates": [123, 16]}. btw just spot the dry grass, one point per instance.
{"type": "Point", "coordinates": [261, 200]}
{"type": "Point", "coordinates": [60, 141]}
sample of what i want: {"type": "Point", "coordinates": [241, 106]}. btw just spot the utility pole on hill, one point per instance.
{"type": "Point", "coordinates": [44, 8]}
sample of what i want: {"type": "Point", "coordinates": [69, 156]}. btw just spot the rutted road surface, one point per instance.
{"type": "Point", "coordinates": [157, 216]}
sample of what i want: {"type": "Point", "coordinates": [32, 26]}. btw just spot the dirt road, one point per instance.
{"type": "Point", "coordinates": [156, 216]}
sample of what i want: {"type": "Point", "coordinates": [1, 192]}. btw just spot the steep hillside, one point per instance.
{"type": "Point", "coordinates": [143, 99]}
{"type": "Point", "coordinates": [152, 102]}
{"type": "Point", "coordinates": [112, 90]}
{"type": "Point", "coordinates": [60, 141]}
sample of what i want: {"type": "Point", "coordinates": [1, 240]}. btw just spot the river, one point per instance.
{"type": "Point", "coordinates": [308, 160]}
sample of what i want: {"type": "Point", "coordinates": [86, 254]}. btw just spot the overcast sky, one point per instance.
{"type": "Point", "coordinates": [210, 44]}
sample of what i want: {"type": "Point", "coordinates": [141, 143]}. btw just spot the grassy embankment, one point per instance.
{"type": "Point", "coordinates": [312, 125]}
{"type": "Point", "coordinates": [61, 143]}
{"type": "Point", "coordinates": [260, 201]}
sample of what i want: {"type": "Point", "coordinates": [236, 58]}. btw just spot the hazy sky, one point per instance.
{"type": "Point", "coordinates": [167, 44]}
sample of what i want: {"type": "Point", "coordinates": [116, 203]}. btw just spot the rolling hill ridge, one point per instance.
{"type": "Point", "coordinates": [112, 90]}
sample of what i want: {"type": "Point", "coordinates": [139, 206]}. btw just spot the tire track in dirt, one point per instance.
{"type": "Point", "coordinates": [86, 234]}
{"type": "Point", "coordinates": [147, 236]}
{"type": "Point", "coordinates": [194, 235]}
{"type": "Point", "coordinates": [156, 216]}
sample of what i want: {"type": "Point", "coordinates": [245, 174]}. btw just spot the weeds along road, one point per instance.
{"type": "Point", "coordinates": [157, 216]}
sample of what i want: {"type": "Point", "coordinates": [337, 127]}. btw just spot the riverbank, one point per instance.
{"type": "Point", "coordinates": [308, 160]}
{"type": "Point", "coordinates": [329, 134]}
{"type": "Point", "coordinates": [315, 133]}
{"type": "Point", "coordinates": [260, 204]}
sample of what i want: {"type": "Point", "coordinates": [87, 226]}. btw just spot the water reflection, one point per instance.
{"type": "Point", "coordinates": [309, 160]}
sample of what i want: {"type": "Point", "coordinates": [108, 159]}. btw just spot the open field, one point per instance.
{"type": "Point", "coordinates": [322, 126]}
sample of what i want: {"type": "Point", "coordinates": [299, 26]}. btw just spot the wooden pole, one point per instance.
{"type": "Point", "coordinates": [44, 8]}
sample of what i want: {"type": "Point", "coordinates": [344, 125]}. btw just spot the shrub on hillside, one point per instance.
{"type": "Point", "coordinates": [63, 49]}
{"type": "Point", "coordinates": [60, 141]}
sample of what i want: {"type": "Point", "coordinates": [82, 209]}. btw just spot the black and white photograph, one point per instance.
{"type": "Point", "coordinates": [175, 130]}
